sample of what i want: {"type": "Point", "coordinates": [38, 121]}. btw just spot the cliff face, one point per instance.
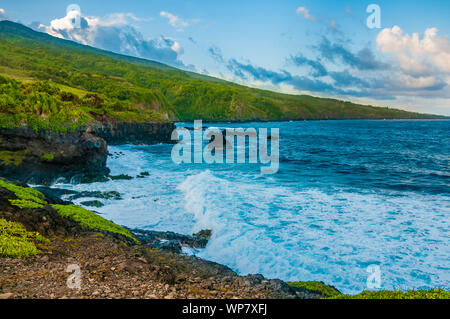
{"type": "Point", "coordinates": [44, 156]}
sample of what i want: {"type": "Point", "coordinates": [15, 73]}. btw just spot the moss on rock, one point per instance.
{"type": "Point", "coordinates": [13, 157]}
{"type": "Point", "coordinates": [317, 287]}
{"type": "Point", "coordinates": [48, 157]}
{"type": "Point", "coordinates": [90, 220]}
{"type": "Point", "coordinates": [24, 193]}
{"type": "Point", "coordinates": [384, 294]}
{"type": "Point", "coordinates": [17, 242]}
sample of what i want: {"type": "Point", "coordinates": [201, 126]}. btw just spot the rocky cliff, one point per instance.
{"type": "Point", "coordinates": [41, 157]}
{"type": "Point", "coordinates": [116, 133]}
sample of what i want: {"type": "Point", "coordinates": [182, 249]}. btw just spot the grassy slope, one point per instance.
{"type": "Point", "coordinates": [154, 87]}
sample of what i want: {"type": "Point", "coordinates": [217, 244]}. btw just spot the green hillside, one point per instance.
{"type": "Point", "coordinates": [47, 81]}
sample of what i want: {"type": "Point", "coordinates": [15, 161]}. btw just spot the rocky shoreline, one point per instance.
{"type": "Point", "coordinates": [114, 266]}
{"type": "Point", "coordinates": [41, 157]}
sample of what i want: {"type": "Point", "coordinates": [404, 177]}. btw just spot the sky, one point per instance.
{"type": "Point", "coordinates": [399, 58]}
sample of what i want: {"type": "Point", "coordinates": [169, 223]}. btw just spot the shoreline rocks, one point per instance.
{"type": "Point", "coordinates": [169, 241]}
{"type": "Point", "coordinates": [42, 157]}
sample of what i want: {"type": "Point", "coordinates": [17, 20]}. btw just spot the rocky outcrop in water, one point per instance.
{"type": "Point", "coordinates": [116, 133]}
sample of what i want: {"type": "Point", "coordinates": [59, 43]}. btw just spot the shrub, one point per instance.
{"type": "Point", "coordinates": [17, 242]}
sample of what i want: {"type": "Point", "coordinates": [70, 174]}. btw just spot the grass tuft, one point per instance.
{"type": "Point", "coordinates": [90, 220]}
{"type": "Point", "coordinates": [17, 242]}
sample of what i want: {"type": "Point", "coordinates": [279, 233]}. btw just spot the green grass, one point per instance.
{"type": "Point", "coordinates": [317, 287]}
{"type": "Point", "coordinates": [90, 220]}
{"type": "Point", "coordinates": [17, 242]}
{"type": "Point", "coordinates": [331, 293]}
{"type": "Point", "coordinates": [413, 294]}
{"type": "Point", "coordinates": [21, 203]}
{"type": "Point", "coordinates": [24, 193]}
{"type": "Point", "coordinates": [48, 157]}
{"type": "Point", "coordinates": [12, 157]}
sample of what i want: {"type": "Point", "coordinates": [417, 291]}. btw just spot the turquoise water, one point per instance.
{"type": "Point", "coordinates": [348, 194]}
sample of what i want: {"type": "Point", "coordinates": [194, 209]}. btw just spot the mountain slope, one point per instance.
{"type": "Point", "coordinates": [158, 90]}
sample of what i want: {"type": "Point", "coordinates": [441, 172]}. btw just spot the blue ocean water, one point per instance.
{"type": "Point", "coordinates": [348, 194]}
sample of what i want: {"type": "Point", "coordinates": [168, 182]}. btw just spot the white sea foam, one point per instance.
{"type": "Point", "coordinates": [287, 232]}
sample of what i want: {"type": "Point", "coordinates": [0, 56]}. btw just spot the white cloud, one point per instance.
{"type": "Point", "coordinates": [114, 33]}
{"type": "Point", "coordinates": [3, 15]}
{"type": "Point", "coordinates": [175, 21]}
{"type": "Point", "coordinates": [305, 12]}
{"type": "Point", "coordinates": [416, 56]}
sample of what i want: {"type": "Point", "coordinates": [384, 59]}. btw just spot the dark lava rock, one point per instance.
{"type": "Point", "coordinates": [54, 195]}
{"type": "Point", "coordinates": [44, 156]}
{"type": "Point", "coordinates": [169, 241]}
{"type": "Point", "coordinates": [121, 177]}
{"type": "Point", "coordinates": [206, 234]}
{"type": "Point", "coordinates": [96, 194]}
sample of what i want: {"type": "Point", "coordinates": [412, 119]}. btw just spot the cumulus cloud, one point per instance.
{"type": "Point", "coordinates": [175, 21]}
{"type": "Point", "coordinates": [305, 13]}
{"type": "Point", "coordinates": [337, 70]}
{"type": "Point", "coordinates": [114, 33]}
{"type": "Point", "coordinates": [3, 15]}
{"type": "Point", "coordinates": [416, 56]}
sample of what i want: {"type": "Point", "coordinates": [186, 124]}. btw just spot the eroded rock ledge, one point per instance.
{"type": "Point", "coordinates": [41, 157]}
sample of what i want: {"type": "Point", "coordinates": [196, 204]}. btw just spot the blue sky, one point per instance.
{"type": "Point", "coordinates": [317, 47]}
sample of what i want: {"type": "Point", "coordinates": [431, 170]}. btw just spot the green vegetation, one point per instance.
{"type": "Point", "coordinates": [24, 194]}
{"type": "Point", "coordinates": [12, 157]}
{"type": "Point", "coordinates": [205, 234]}
{"type": "Point", "coordinates": [317, 287]}
{"type": "Point", "coordinates": [90, 220]}
{"type": "Point", "coordinates": [72, 84]}
{"type": "Point", "coordinates": [42, 105]}
{"type": "Point", "coordinates": [17, 242]}
{"type": "Point", "coordinates": [21, 203]}
{"type": "Point", "coordinates": [331, 293]}
{"type": "Point", "coordinates": [413, 294]}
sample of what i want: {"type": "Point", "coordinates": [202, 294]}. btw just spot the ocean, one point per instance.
{"type": "Point", "coordinates": [348, 195]}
